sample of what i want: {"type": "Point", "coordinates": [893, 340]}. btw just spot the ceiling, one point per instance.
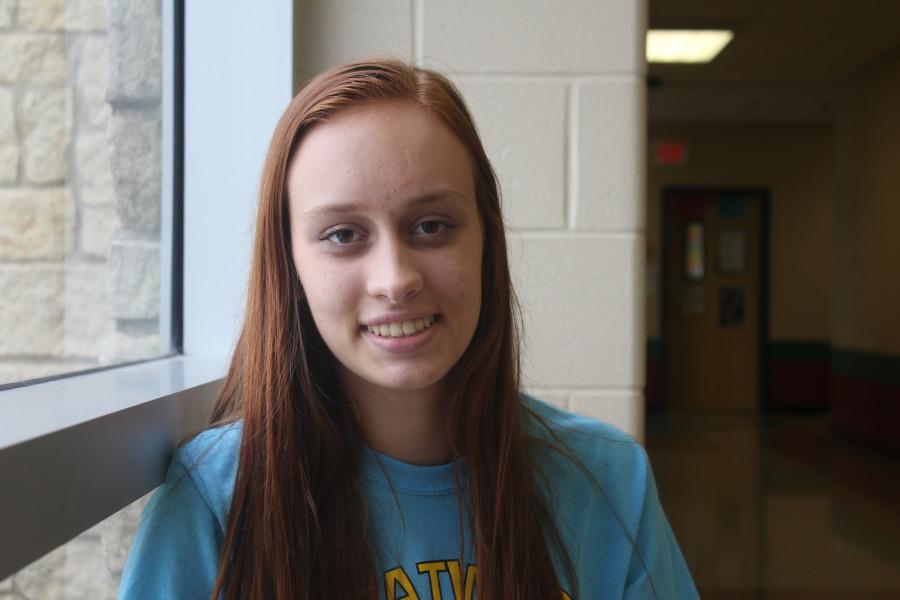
{"type": "Point", "coordinates": [786, 61]}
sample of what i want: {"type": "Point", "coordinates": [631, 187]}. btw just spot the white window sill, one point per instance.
{"type": "Point", "coordinates": [77, 449]}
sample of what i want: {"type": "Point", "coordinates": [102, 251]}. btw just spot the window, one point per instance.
{"type": "Point", "coordinates": [82, 277]}
{"type": "Point", "coordinates": [101, 440]}
{"type": "Point", "coordinates": [89, 166]}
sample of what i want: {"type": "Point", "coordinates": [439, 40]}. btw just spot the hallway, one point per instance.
{"type": "Point", "coordinates": [777, 507]}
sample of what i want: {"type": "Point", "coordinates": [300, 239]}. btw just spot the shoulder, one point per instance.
{"type": "Point", "coordinates": [589, 438]}
{"type": "Point", "coordinates": [176, 550]}
{"type": "Point", "coordinates": [603, 494]}
{"type": "Point", "coordinates": [210, 461]}
{"type": "Point", "coordinates": [572, 423]}
{"type": "Point", "coordinates": [583, 454]}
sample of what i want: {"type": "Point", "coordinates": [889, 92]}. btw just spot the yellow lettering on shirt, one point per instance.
{"type": "Point", "coordinates": [434, 569]}
{"type": "Point", "coordinates": [463, 587]}
{"type": "Point", "coordinates": [395, 577]}
{"type": "Point", "coordinates": [456, 579]}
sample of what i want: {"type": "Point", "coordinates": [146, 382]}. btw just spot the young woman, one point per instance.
{"type": "Point", "coordinates": [371, 439]}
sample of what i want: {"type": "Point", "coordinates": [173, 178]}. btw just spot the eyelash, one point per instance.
{"type": "Point", "coordinates": [444, 226]}
{"type": "Point", "coordinates": [328, 235]}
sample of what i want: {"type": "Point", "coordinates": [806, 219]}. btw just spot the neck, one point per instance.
{"type": "Point", "coordinates": [410, 426]}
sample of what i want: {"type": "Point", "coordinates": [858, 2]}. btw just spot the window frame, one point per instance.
{"type": "Point", "coordinates": [76, 448]}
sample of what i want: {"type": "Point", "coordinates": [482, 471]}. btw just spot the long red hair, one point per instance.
{"type": "Point", "coordinates": [297, 513]}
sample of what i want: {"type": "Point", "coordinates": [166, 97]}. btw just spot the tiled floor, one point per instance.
{"type": "Point", "coordinates": [778, 507]}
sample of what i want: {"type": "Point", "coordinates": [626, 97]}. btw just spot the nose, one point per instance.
{"type": "Point", "coordinates": [394, 275]}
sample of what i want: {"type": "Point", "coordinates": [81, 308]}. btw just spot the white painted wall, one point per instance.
{"type": "Point", "coordinates": [237, 84]}
{"type": "Point", "coordinates": [557, 89]}
{"type": "Point", "coordinates": [867, 274]}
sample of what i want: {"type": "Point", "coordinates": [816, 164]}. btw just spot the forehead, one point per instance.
{"type": "Point", "coordinates": [378, 152]}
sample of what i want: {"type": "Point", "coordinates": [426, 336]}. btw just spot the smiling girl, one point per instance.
{"type": "Point", "coordinates": [371, 439]}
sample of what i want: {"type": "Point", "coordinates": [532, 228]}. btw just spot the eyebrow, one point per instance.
{"type": "Point", "coordinates": [351, 207]}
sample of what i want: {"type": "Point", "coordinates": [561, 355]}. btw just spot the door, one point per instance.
{"type": "Point", "coordinates": [712, 298]}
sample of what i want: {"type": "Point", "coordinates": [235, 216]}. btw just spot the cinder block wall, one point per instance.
{"type": "Point", "coordinates": [558, 91]}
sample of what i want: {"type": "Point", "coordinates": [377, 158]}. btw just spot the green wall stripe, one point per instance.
{"type": "Point", "coordinates": [799, 350]}
{"type": "Point", "coordinates": [855, 364]}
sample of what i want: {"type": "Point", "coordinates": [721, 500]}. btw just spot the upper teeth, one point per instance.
{"type": "Point", "coordinates": [401, 328]}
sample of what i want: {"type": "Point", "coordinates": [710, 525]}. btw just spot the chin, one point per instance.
{"type": "Point", "coordinates": [409, 379]}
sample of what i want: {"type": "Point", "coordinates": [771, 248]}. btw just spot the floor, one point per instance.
{"type": "Point", "coordinates": [778, 507]}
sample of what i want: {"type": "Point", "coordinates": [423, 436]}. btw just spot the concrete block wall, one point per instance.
{"type": "Point", "coordinates": [558, 92]}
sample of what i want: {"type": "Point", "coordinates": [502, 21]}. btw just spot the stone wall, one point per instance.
{"type": "Point", "coordinates": [79, 184]}
{"type": "Point", "coordinates": [80, 193]}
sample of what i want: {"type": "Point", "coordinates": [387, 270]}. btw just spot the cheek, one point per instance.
{"type": "Point", "coordinates": [330, 294]}
{"type": "Point", "coordinates": [328, 291]}
{"type": "Point", "coordinates": [462, 285]}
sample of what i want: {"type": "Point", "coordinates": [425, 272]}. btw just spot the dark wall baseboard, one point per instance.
{"type": "Point", "coordinates": [866, 396]}
{"type": "Point", "coordinates": [861, 389]}
{"type": "Point", "coordinates": [798, 375]}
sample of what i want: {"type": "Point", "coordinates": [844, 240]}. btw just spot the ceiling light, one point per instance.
{"type": "Point", "coordinates": [685, 45]}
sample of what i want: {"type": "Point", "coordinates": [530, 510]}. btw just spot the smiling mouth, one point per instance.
{"type": "Point", "coordinates": [401, 329]}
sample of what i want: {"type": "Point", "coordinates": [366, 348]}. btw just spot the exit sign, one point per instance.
{"type": "Point", "coordinates": [670, 153]}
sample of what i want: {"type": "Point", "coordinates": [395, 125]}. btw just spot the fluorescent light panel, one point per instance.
{"type": "Point", "coordinates": [685, 45]}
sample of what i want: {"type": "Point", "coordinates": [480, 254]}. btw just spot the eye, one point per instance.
{"type": "Point", "coordinates": [431, 227]}
{"type": "Point", "coordinates": [341, 236]}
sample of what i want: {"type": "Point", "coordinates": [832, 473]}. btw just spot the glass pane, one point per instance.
{"type": "Point", "coordinates": [81, 191]}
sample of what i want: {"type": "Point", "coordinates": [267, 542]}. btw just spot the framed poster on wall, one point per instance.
{"type": "Point", "coordinates": [732, 307]}
{"type": "Point", "coordinates": [694, 251]}
{"type": "Point", "coordinates": [731, 250]}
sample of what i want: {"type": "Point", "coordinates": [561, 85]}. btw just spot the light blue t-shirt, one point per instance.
{"type": "Point", "coordinates": [613, 528]}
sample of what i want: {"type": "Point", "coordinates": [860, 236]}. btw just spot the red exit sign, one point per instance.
{"type": "Point", "coordinates": [670, 153]}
